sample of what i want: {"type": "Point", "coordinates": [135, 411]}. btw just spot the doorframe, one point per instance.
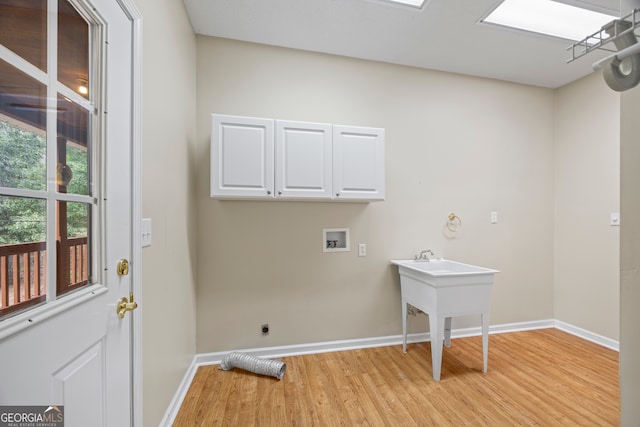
{"type": "Point", "coordinates": [132, 12]}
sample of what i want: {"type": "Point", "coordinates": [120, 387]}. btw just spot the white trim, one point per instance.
{"type": "Point", "coordinates": [313, 348]}
{"type": "Point", "coordinates": [511, 327]}
{"type": "Point", "coordinates": [78, 198]}
{"type": "Point", "coordinates": [137, 377]}
{"type": "Point", "coordinates": [23, 192]}
{"type": "Point", "coordinates": [44, 195]}
{"type": "Point", "coordinates": [129, 7]}
{"type": "Point", "coordinates": [587, 335]}
{"type": "Point", "coordinates": [23, 65]}
{"type": "Point", "coordinates": [215, 358]}
{"type": "Point", "coordinates": [51, 147]}
{"type": "Point", "coordinates": [175, 404]}
{"type": "Point", "coordinates": [75, 97]}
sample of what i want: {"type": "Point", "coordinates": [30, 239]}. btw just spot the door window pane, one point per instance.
{"type": "Point", "coordinates": [23, 256]}
{"type": "Point", "coordinates": [73, 49]}
{"type": "Point", "coordinates": [22, 158]}
{"type": "Point", "coordinates": [22, 130]}
{"type": "Point", "coordinates": [23, 29]}
{"type": "Point", "coordinates": [73, 148]}
{"type": "Point", "coordinates": [74, 263]}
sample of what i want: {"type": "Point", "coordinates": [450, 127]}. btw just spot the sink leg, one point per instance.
{"type": "Point", "coordinates": [404, 326]}
{"type": "Point", "coordinates": [437, 332]}
{"type": "Point", "coordinates": [447, 332]}
{"type": "Point", "coordinates": [485, 341]}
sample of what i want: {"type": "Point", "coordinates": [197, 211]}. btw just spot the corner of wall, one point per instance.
{"type": "Point", "coordinates": [168, 198]}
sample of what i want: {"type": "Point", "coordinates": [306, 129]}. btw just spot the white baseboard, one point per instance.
{"type": "Point", "coordinates": [330, 346]}
{"type": "Point", "coordinates": [181, 393]}
{"type": "Point", "coordinates": [587, 335]}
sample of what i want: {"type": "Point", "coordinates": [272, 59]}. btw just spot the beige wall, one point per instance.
{"type": "Point", "coordinates": [168, 198]}
{"type": "Point", "coordinates": [629, 251]}
{"type": "Point", "coordinates": [587, 188]}
{"type": "Point", "coordinates": [453, 144]}
{"type": "Point", "coordinates": [630, 259]}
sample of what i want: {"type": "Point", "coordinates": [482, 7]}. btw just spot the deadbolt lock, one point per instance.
{"type": "Point", "coordinates": [123, 267]}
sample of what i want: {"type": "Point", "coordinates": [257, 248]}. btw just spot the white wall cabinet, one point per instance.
{"type": "Point", "coordinates": [241, 157]}
{"type": "Point", "coordinates": [303, 159]}
{"type": "Point", "coordinates": [358, 163]}
{"type": "Point", "coordinates": [267, 159]}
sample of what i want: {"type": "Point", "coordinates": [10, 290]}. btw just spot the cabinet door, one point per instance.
{"type": "Point", "coordinates": [303, 160]}
{"type": "Point", "coordinates": [358, 163]}
{"type": "Point", "coordinates": [241, 157]}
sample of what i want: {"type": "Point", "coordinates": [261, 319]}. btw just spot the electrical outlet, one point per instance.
{"type": "Point", "coordinates": [265, 329]}
{"type": "Point", "coordinates": [362, 249]}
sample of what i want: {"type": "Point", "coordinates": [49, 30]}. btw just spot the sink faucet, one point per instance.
{"type": "Point", "coordinates": [425, 254]}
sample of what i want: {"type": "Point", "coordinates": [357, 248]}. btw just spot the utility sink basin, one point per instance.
{"type": "Point", "coordinates": [443, 267]}
{"type": "Point", "coordinates": [444, 289]}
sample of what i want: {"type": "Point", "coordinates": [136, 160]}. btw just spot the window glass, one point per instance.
{"type": "Point", "coordinates": [22, 158]}
{"type": "Point", "coordinates": [73, 172]}
{"type": "Point", "coordinates": [22, 135]}
{"type": "Point", "coordinates": [22, 130]}
{"type": "Point", "coordinates": [23, 255]}
{"type": "Point", "coordinates": [73, 246]}
{"type": "Point", "coordinates": [23, 29]}
{"type": "Point", "coordinates": [73, 49]}
{"type": "Point", "coordinates": [22, 220]}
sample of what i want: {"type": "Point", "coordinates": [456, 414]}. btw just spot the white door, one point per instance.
{"type": "Point", "coordinates": [71, 348]}
{"type": "Point", "coordinates": [303, 159]}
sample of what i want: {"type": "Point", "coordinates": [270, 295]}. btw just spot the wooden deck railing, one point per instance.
{"type": "Point", "coordinates": [23, 272]}
{"type": "Point", "coordinates": [73, 264]}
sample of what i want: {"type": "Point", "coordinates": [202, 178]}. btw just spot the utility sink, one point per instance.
{"type": "Point", "coordinates": [443, 267]}
{"type": "Point", "coordinates": [443, 289]}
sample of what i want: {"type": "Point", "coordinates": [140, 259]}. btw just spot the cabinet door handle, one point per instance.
{"type": "Point", "coordinates": [268, 192]}
{"type": "Point", "coordinates": [337, 194]}
{"type": "Point", "coordinates": [279, 193]}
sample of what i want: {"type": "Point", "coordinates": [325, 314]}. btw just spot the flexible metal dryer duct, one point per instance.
{"type": "Point", "coordinates": [613, 73]}
{"type": "Point", "coordinates": [236, 359]}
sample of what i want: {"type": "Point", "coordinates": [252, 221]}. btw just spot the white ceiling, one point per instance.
{"type": "Point", "coordinates": [444, 35]}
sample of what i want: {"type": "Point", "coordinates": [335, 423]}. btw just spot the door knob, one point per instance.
{"type": "Point", "coordinates": [125, 305]}
{"type": "Point", "coordinates": [123, 267]}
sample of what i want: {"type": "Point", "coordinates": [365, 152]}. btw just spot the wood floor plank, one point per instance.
{"type": "Point", "coordinates": [329, 404]}
{"type": "Point", "coordinates": [299, 403]}
{"type": "Point", "coordinates": [190, 404]}
{"type": "Point", "coordinates": [536, 378]}
{"type": "Point", "coordinates": [384, 397]}
{"type": "Point", "coordinates": [270, 401]}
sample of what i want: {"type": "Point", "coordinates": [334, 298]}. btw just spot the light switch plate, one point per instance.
{"type": "Point", "coordinates": [146, 232]}
{"type": "Point", "coordinates": [614, 218]}
{"type": "Point", "coordinates": [362, 249]}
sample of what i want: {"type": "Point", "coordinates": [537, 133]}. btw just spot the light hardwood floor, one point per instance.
{"type": "Point", "coordinates": [536, 378]}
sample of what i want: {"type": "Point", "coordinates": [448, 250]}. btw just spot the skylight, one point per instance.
{"type": "Point", "coordinates": [414, 3]}
{"type": "Point", "coordinates": [548, 17]}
